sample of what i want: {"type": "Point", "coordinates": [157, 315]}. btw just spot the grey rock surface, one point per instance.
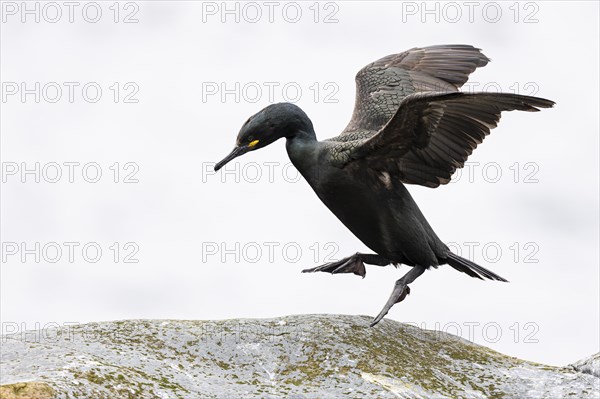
{"type": "Point", "coordinates": [589, 365]}
{"type": "Point", "coordinates": [309, 356]}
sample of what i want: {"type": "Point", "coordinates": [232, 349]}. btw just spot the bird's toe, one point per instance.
{"type": "Point", "coordinates": [400, 292]}
{"type": "Point", "coordinates": [352, 265]}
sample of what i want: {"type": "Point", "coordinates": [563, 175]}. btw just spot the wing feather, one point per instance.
{"type": "Point", "coordinates": [432, 134]}
{"type": "Point", "coordinates": [382, 85]}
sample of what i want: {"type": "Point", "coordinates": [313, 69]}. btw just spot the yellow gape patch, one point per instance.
{"type": "Point", "coordinates": [253, 143]}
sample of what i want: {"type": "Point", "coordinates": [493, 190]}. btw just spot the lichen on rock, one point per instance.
{"type": "Point", "coordinates": [27, 390]}
{"type": "Point", "coordinates": [307, 356]}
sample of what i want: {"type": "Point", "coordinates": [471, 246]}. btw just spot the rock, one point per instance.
{"type": "Point", "coordinates": [311, 356]}
{"type": "Point", "coordinates": [589, 365]}
{"type": "Point", "coordinates": [27, 390]}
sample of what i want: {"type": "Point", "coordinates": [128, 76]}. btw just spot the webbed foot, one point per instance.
{"type": "Point", "coordinates": [351, 264]}
{"type": "Point", "coordinates": [401, 290]}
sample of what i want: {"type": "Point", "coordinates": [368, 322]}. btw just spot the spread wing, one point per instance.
{"type": "Point", "coordinates": [382, 85]}
{"type": "Point", "coordinates": [432, 134]}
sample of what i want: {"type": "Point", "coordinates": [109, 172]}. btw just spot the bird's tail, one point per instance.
{"type": "Point", "coordinates": [472, 269]}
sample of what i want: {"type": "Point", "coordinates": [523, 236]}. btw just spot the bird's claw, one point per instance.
{"type": "Point", "coordinates": [352, 264]}
{"type": "Point", "coordinates": [401, 290]}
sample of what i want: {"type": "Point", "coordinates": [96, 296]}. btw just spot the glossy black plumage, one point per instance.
{"type": "Point", "coordinates": [410, 125]}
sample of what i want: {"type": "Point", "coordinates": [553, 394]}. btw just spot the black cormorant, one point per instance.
{"type": "Point", "coordinates": [410, 125]}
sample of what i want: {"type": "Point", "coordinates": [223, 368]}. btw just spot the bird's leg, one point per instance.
{"type": "Point", "coordinates": [401, 290]}
{"type": "Point", "coordinates": [352, 264]}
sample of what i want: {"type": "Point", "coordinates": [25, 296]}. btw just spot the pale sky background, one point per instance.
{"type": "Point", "coordinates": [542, 213]}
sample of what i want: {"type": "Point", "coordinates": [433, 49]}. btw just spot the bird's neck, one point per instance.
{"type": "Point", "coordinates": [298, 126]}
{"type": "Point", "coordinates": [301, 148]}
{"type": "Point", "coordinates": [305, 134]}
{"type": "Point", "coordinates": [300, 141]}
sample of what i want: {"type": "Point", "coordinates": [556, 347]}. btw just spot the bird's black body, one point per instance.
{"type": "Point", "coordinates": [411, 125]}
{"type": "Point", "coordinates": [385, 218]}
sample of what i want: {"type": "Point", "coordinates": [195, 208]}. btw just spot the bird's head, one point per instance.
{"type": "Point", "coordinates": [267, 126]}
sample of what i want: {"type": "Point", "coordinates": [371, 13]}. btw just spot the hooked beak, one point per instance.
{"type": "Point", "coordinates": [237, 151]}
